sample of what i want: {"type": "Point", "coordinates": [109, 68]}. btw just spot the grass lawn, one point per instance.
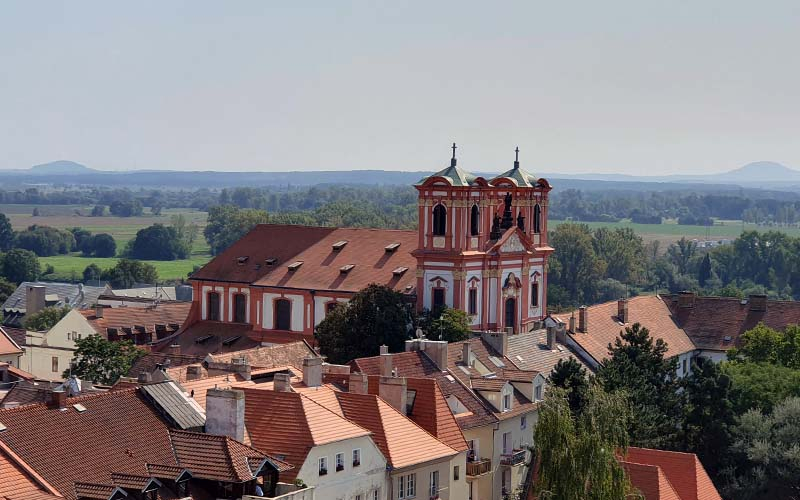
{"type": "Point", "coordinates": [69, 267]}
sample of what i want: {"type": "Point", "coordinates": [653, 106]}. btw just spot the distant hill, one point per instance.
{"type": "Point", "coordinates": [60, 167]}
{"type": "Point", "coordinates": [762, 171]}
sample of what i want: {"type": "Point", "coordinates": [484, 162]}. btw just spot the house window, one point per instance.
{"type": "Point", "coordinates": [535, 294]}
{"type": "Point", "coordinates": [438, 298]}
{"type": "Point", "coordinates": [356, 457]}
{"type": "Point", "coordinates": [475, 221]}
{"type": "Point", "coordinates": [357, 497]}
{"type": "Point", "coordinates": [434, 483]}
{"type": "Point", "coordinates": [407, 486]}
{"type": "Point", "coordinates": [523, 422]}
{"type": "Point", "coordinates": [339, 462]}
{"type": "Point", "coordinates": [439, 220]}
{"type": "Point", "coordinates": [375, 494]}
{"type": "Point", "coordinates": [473, 301]}
{"type": "Point", "coordinates": [213, 306]}
{"type": "Point", "coordinates": [506, 443]}
{"type": "Point", "coordinates": [323, 466]}
{"type": "Point", "coordinates": [506, 402]}
{"type": "Point", "coordinates": [537, 392]}
{"type": "Point", "coordinates": [684, 367]}
{"type": "Point", "coordinates": [472, 452]}
{"type": "Point", "coordinates": [54, 364]}
{"type": "Point", "coordinates": [456, 473]}
{"type": "Point", "coordinates": [283, 314]}
{"type": "Point", "coordinates": [537, 219]}
{"type": "Point", "coordinates": [239, 308]}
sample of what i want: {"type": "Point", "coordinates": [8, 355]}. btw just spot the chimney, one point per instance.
{"type": "Point", "coordinates": [758, 303]}
{"type": "Point", "coordinates": [98, 311]}
{"type": "Point", "coordinates": [282, 382]}
{"type": "Point", "coordinates": [561, 332]}
{"type": "Point", "coordinates": [393, 391]}
{"type": "Point", "coordinates": [435, 349]}
{"type": "Point", "coordinates": [384, 349]}
{"type": "Point", "coordinates": [144, 378]}
{"type": "Point", "coordinates": [57, 399]}
{"type": "Point", "coordinates": [622, 310]}
{"type": "Point", "coordinates": [386, 365]}
{"type": "Point", "coordinates": [509, 330]}
{"type": "Point", "coordinates": [583, 319]}
{"type": "Point", "coordinates": [194, 372]}
{"type": "Point", "coordinates": [34, 299]}
{"type": "Point", "coordinates": [572, 323]}
{"type": "Point", "coordinates": [551, 337]}
{"type": "Point", "coordinates": [225, 413]}
{"type": "Point", "coordinates": [466, 351]}
{"type": "Point", "coordinates": [685, 300]}
{"type": "Point", "coordinates": [358, 383]}
{"type": "Point", "coordinates": [312, 372]}
{"type": "Point", "coordinates": [174, 349]}
{"type": "Point", "coordinates": [498, 341]}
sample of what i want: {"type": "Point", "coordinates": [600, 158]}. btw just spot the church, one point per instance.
{"type": "Point", "coordinates": [481, 246]}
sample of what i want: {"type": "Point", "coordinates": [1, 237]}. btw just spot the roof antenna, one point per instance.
{"type": "Point", "coordinates": [516, 160]}
{"type": "Point", "coordinates": [453, 160]}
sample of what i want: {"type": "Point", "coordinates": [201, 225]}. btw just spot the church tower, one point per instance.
{"type": "Point", "coordinates": [483, 246]}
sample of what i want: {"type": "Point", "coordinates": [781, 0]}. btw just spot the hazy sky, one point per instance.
{"type": "Point", "coordinates": [636, 87]}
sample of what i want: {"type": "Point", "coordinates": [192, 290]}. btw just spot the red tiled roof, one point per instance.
{"type": "Point", "coordinates": [650, 480]}
{"type": "Point", "coordinates": [18, 335]}
{"type": "Point", "coordinates": [165, 313]}
{"type": "Point", "coordinates": [401, 441]}
{"type": "Point", "coordinates": [148, 362]}
{"type": "Point", "coordinates": [683, 472]}
{"type": "Point", "coordinates": [7, 345]}
{"type": "Point", "coordinates": [711, 319]}
{"type": "Point", "coordinates": [487, 384]}
{"type": "Point", "coordinates": [18, 373]}
{"type": "Point", "coordinates": [648, 310]}
{"type": "Point", "coordinates": [366, 250]}
{"type": "Point", "coordinates": [216, 457]}
{"type": "Point", "coordinates": [207, 337]}
{"type": "Point", "coordinates": [17, 480]}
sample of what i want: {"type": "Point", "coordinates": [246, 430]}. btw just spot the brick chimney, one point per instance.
{"type": "Point", "coordinates": [358, 383]}
{"type": "Point", "coordinates": [758, 302]}
{"type": "Point", "coordinates": [551, 337]}
{"type": "Point", "coordinates": [386, 365]}
{"type": "Point", "coordinates": [98, 311]}
{"type": "Point", "coordinates": [572, 323]}
{"type": "Point", "coordinates": [498, 341]}
{"type": "Point", "coordinates": [35, 299]}
{"type": "Point", "coordinates": [282, 382]}
{"type": "Point", "coordinates": [225, 413]}
{"type": "Point", "coordinates": [194, 372]}
{"type": "Point", "coordinates": [312, 372]}
{"type": "Point", "coordinates": [685, 300]}
{"type": "Point", "coordinates": [436, 350]}
{"type": "Point", "coordinates": [174, 349]}
{"type": "Point", "coordinates": [393, 391]}
{"type": "Point", "coordinates": [57, 399]}
{"type": "Point", "coordinates": [583, 319]}
{"type": "Point", "coordinates": [622, 310]}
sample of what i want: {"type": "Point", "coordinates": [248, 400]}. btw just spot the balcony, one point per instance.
{"type": "Point", "coordinates": [515, 458]}
{"type": "Point", "coordinates": [480, 467]}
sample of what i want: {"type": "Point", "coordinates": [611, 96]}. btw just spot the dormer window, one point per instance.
{"type": "Point", "coordinates": [339, 245]}
{"type": "Point", "coordinates": [391, 247]}
{"type": "Point", "coordinates": [506, 402]}
{"type": "Point", "coordinates": [537, 392]}
{"type": "Point", "coordinates": [294, 266]}
{"type": "Point", "coordinates": [439, 220]}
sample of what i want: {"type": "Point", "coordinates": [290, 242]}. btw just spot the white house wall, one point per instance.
{"type": "Point", "coordinates": [351, 481]}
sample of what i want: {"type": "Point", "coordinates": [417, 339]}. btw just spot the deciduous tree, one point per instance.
{"type": "Point", "coordinates": [45, 319]}
{"type": "Point", "coordinates": [102, 361]}
{"type": "Point", "coordinates": [21, 265]}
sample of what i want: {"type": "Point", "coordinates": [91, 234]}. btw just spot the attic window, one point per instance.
{"type": "Point", "coordinates": [294, 266]}
{"type": "Point", "coordinates": [727, 338]}
{"type": "Point", "coordinates": [203, 339]}
{"type": "Point", "coordinates": [231, 340]}
{"type": "Point", "coordinates": [2, 427]}
{"type": "Point", "coordinates": [79, 408]}
{"type": "Point", "coordinates": [339, 245]}
{"type": "Point", "coordinates": [346, 269]}
{"type": "Point", "coordinates": [271, 261]}
{"type": "Point", "coordinates": [399, 271]}
{"type": "Point", "coordinates": [242, 260]}
{"type": "Point", "coordinates": [450, 378]}
{"type": "Point", "coordinates": [391, 247]}
{"type": "Point", "coordinates": [497, 361]}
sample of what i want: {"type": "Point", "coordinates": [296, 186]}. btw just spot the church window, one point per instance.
{"type": "Point", "coordinates": [283, 314]}
{"type": "Point", "coordinates": [213, 306]}
{"type": "Point", "coordinates": [537, 219]}
{"type": "Point", "coordinates": [439, 220]}
{"type": "Point", "coordinates": [475, 221]}
{"type": "Point", "coordinates": [535, 294]}
{"type": "Point", "coordinates": [438, 298]}
{"type": "Point", "coordinates": [473, 301]}
{"type": "Point", "coordinates": [239, 308]}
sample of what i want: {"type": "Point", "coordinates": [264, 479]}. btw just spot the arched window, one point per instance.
{"type": "Point", "coordinates": [511, 313]}
{"type": "Point", "coordinates": [439, 220]}
{"type": "Point", "coordinates": [240, 308]}
{"type": "Point", "coordinates": [475, 221]}
{"type": "Point", "coordinates": [213, 306]}
{"type": "Point", "coordinates": [535, 294]}
{"type": "Point", "coordinates": [537, 219]}
{"type": "Point", "coordinates": [283, 314]}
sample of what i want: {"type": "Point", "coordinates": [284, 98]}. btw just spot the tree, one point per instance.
{"type": "Point", "coordinates": [98, 210]}
{"type": "Point", "coordinates": [571, 376]}
{"type": "Point", "coordinates": [375, 316]}
{"type": "Point", "coordinates": [227, 224]}
{"type": "Point", "coordinates": [623, 252]}
{"type": "Point", "coordinates": [708, 414]}
{"type": "Point", "coordinates": [158, 242]}
{"type": "Point", "coordinates": [102, 361]}
{"type": "Point", "coordinates": [760, 385]}
{"type": "Point", "coordinates": [45, 319]}
{"type": "Point", "coordinates": [91, 273]}
{"type": "Point", "coordinates": [575, 268]}
{"type": "Point", "coordinates": [451, 325]}
{"type": "Point", "coordinates": [81, 236]}
{"type": "Point", "coordinates": [6, 289]}
{"type": "Point", "coordinates": [127, 208]}
{"type": "Point", "coordinates": [45, 241]}
{"type": "Point", "coordinates": [21, 265]}
{"type": "Point", "coordinates": [638, 367]}
{"type": "Point", "coordinates": [704, 273]}
{"type": "Point", "coordinates": [126, 273]}
{"type": "Point", "coordinates": [578, 453]}
{"type": "Point", "coordinates": [6, 234]}
{"type": "Point", "coordinates": [681, 254]}
{"type": "Point", "coordinates": [186, 232]}
{"type": "Point", "coordinates": [103, 245]}
{"type": "Point", "coordinates": [765, 345]}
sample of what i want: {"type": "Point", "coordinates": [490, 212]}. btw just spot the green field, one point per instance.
{"type": "Point", "coordinates": [70, 267]}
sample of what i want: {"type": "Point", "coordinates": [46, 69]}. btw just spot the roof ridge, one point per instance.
{"type": "Point", "coordinates": [70, 400]}
{"type": "Point", "coordinates": [334, 413]}
{"type": "Point", "coordinates": [30, 471]}
{"type": "Point", "coordinates": [381, 400]}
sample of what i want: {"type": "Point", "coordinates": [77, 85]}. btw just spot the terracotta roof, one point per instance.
{"type": "Point", "coordinates": [650, 480]}
{"type": "Point", "coordinates": [528, 351]}
{"type": "Point", "coordinates": [289, 424]}
{"type": "Point", "coordinates": [18, 481]}
{"type": "Point", "coordinates": [488, 384]}
{"type": "Point", "coordinates": [265, 241]}
{"type": "Point", "coordinates": [7, 345]}
{"type": "Point", "coordinates": [648, 310]}
{"type": "Point", "coordinates": [165, 313]}
{"type": "Point", "coordinates": [401, 441]}
{"type": "Point", "coordinates": [366, 250]}
{"type": "Point", "coordinates": [149, 362]}
{"type": "Point", "coordinates": [417, 364]}
{"type": "Point", "coordinates": [26, 392]}
{"type": "Point", "coordinates": [18, 335]}
{"type": "Point", "coordinates": [683, 471]}
{"type": "Point", "coordinates": [197, 389]}
{"type": "Point", "coordinates": [208, 337]}
{"type": "Point", "coordinates": [711, 319]}
{"type": "Point", "coordinates": [18, 373]}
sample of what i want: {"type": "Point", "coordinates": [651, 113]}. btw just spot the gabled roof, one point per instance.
{"type": "Point", "coordinates": [676, 475]}
{"type": "Point", "coordinates": [648, 310]}
{"type": "Point", "coordinates": [7, 345]}
{"type": "Point", "coordinates": [18, 480]}
{"type": "Point", "coordinates": [212, 337]}
{"type": "Point", "coordinates": [718, 322]}
{"type": "Point", "coordinates": [78, 296]}
{"type": "Point", "coordinates": [289, 424]}
{"type": "Point", "coordinates": [149, 362]}
{"type": "Point", "coordinates": [528, 351]}
{"type": "Point", "coordinates": [165, 313]}
{"type": "Point", "coordinates": [401, 441]}
{"type": "Point", "coordinates": [18, 335]}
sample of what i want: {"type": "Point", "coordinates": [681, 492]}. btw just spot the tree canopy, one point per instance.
{"type": "Point", "coordinates": [102, 361]}
{"type": "Point", "coordinates": [227, 224]}
{"type": "Point", "coordinates": [45, 241]}
{"type": "Point", "coordinates": [126, 273]}
{"type": "Point", "coordinates": [6, 234]}
{"type": "Point", "coordinates": [451, 325]}
{"type": "Point", "coordinates": [158, 242]}
{"type": "Point", "coordinates": [21, 265]}
{"type": "Point", "coordinates": [571, 376]}
{"type": "Point", "coordinates": [45, 319]}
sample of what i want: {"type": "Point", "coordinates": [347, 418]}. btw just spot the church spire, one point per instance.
{"type": "Point", "coordinates": [516, 159]}
{"type": "Point", "coordinates": [453, 160]}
